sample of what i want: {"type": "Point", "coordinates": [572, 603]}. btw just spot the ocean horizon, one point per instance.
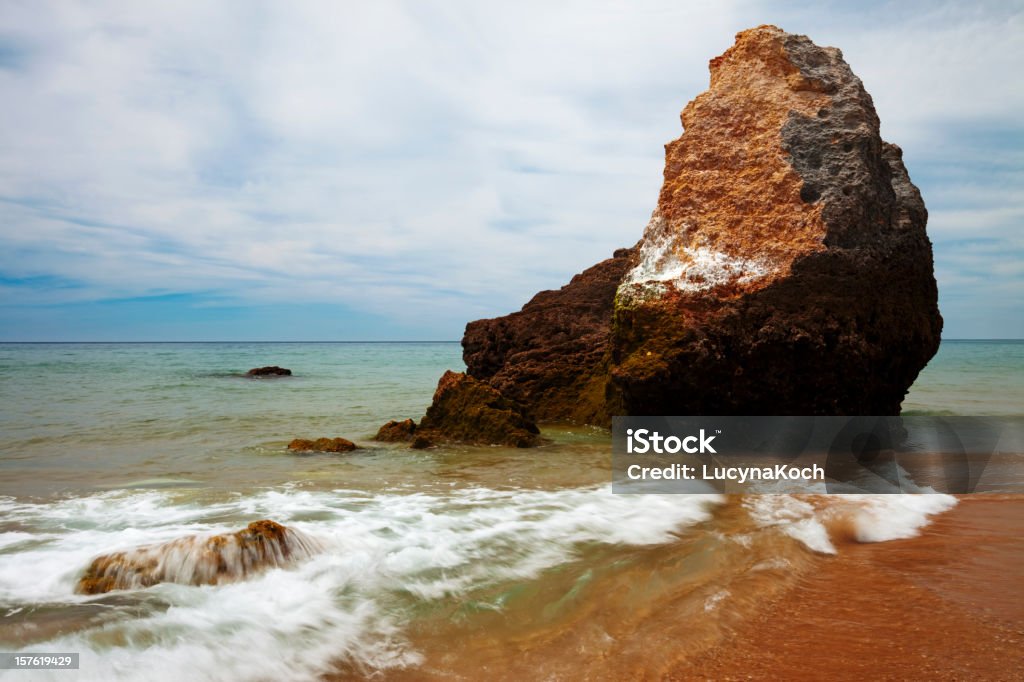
{"type": "Point", "coordinates": [957, 340]}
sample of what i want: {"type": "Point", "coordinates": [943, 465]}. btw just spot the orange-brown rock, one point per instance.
{"type": "Point", "coordinates": [396, 431]}
{"type": "Point", "coordinates": [785, 269]}
{"type": "Point", "coordinates": [468, 411]}
{"type": "Point", "coordinates": [322, 445]}
{"type": "Point", "coordinates": [199, 560]}
{"type": "Point", "coordinates": [552, 352]}
{"type": "Point", "coordinates": [421, 442]}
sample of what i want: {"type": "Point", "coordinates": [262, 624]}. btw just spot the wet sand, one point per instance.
{"type": "Point", "coordinates": [947, 605]}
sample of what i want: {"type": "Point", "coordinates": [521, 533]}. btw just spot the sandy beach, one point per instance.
{"type": "Point", "coordinates": [946, 605]}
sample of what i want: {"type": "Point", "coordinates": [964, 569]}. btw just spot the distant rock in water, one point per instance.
{"type": "Point", "coordinates": [322, 445]}
{"type": "Point", "coordinates": [468, 411]}
{"type": "Point", "coordinates": [271, 371]}
{"type": "Point", "coordinates": [396, 432]}
{"type": "Point", "coordinates": [785, 269]}
{"type": "Point", "coordinates": [199, 560]}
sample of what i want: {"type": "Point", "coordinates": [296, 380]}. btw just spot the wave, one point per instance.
{"type": "Point", "coordinates": [817, 520]}
{"type": "Point", "coordinates": [371, 565]}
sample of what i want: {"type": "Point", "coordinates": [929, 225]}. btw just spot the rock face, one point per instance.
{"type": "Point", "coordinates": [468, 411]}
{"type": "Point", "coordinates": [199, 560]}
{"type": "Point", "coordinates": [322, 445]}
{"type": "Point", "coordinates": [552, 351]}
{"type": "Point", "coordinates": [271, 371]}
{"type": "Point", "coordinates": [396, 432]}
{"type": "Point", "coordinates": [785, 269]}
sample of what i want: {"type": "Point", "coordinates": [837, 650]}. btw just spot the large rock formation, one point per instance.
{"type": "Point", "coordinates": [785, 269]}
{"type": "Point", "coordinates": [197, 560]}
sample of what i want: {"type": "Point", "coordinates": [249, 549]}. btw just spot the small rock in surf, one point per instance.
{"type": "Point", "coordinates": [197, 560]}
{"type": "Point", "coordinates": [322, 445]}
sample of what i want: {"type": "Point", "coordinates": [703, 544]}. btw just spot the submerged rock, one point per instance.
{"type": "Point", "coordinates": [322, 445]}
{"type": "Point", "coordinates": [468, 411]}
{"type": "Point", "coordinates": [785, 269]}
{"type": "Point", "coordinates": [270, 371]}
{"type": "Point", "coordinates": [396, 431]}
{"type": "Point", "coordinates": [421, 442]}
{"type": "Point", "coordinates": [199, 560]}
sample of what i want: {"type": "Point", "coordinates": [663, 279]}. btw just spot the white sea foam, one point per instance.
{"type": "Point", "coordinates": [12, 538]}
{"type": "Point", "coordinates": [874, 518]}
{"type": "Point", "coordinates": [878, 518]}
{"type": "Point", "coordinates": [350, 600]}
{"type": "Point", "coordinates": [795, 517]}
{"type": "Point", "coordinates": [711, 603]}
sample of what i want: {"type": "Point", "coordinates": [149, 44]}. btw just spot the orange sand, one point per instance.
{"type": "Point", "coordinates": [948, 605]}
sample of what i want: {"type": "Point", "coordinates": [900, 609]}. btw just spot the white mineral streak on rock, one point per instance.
{"type": "Point", "coordinates": [662, 263]}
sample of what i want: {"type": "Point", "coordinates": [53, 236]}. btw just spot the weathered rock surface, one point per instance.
{"type": "Point", "coordinates": [785, 269]}
{"type": "Point", "coordinates": [396, 431]}
{"type": "Point", "coordinates": [199, 560]}
{"type": "Point", "coordinates": [551, 352]}
{"type": "Point", "coordinates": [468, 411]}
{"type": "Point", "coordinates": [322, 445]}
{"type": "Point", "coordinates": [271, 371]}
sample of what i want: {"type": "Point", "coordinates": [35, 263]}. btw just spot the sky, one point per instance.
{"type": "Point", "coordinates": [391, 170]}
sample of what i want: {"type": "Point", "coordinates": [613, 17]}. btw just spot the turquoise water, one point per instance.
{"type": "Point", "coordinates": [88, 415]}
{"type": "Point", "coordinates": [96, 416]}
{"type": "Point", "coordinates": [971, 378]}
{"type": "Point", "coordinates": [429, 561]}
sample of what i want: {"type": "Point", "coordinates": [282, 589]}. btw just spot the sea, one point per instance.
{"type": "Point", "coordinates": [448, 563]}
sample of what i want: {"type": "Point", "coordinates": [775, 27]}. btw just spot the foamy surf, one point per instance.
{"type": "Point", "coordinates": [812, 519]}
{"type": "Point", "coordinates": [379, 555]}
{"type": "Point", "coordinates": [380, 561]}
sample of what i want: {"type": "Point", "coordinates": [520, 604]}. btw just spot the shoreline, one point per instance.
{"type": "Point", "coordinates": [945, 605]}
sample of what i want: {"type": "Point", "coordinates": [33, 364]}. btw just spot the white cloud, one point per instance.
{"type": "Point", "coordinates": [441, 161]}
